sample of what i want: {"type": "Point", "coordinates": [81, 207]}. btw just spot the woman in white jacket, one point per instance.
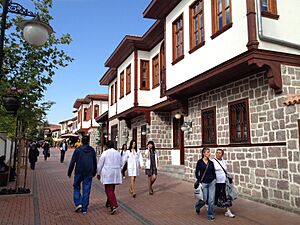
{"type": "Point", "coordinates": [134, 161]}
{"type": "Point", "coordinates": [151, 164]}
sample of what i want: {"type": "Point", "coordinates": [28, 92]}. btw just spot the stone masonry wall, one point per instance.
{"type": "Point", "coordinates": [93, 132]}
{"type": "Point", "coordinates": [265, 173]}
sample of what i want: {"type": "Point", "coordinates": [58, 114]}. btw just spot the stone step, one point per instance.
{"type": "Point", "coordinates": [173, 171]}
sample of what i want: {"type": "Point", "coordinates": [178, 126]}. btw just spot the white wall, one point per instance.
{"type": "Point", "coordinates": [128, 100]}
{"type": "Point", "coordinates": [215, 51]}
{"type": "Point", "coordinates": [285, 28]}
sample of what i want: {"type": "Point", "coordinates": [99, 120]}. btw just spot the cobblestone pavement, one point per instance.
{"type": "Point", "coordinates": [50, 203]}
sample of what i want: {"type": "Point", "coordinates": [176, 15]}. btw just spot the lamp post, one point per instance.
{"type": "Point", "coordinates": [35, 32]}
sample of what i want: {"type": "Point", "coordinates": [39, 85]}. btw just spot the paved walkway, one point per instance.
{"type": "Point", "coordinates": [172, 203]}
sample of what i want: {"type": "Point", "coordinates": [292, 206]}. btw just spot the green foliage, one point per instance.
{"type": "Point", "coordinates": [31, 69]}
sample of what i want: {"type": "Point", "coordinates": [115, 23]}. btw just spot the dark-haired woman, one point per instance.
{"type": "Point", "coordinates": [151, 165]}
{"type": "Point", "coordinates": [205, 173]}
{"type": "Point", "coordinates": [123, 154]}
{"type": "Point", "coordinates": [134, 161]}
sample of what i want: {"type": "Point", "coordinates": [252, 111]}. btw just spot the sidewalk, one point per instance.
{"type": "Point", "coordinates": [172, 203]}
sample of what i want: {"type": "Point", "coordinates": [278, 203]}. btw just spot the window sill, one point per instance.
{"type": "Point", "coordinates": [121, 97]}
{"type": "Point", "coordinates": [178, 59]}
{"type": "Point", "coordinates": [196, 47]}
{"type": "Point", "coordinates": [127, 93]}
{"type": "Point", "coordinates": [270, 15]}
{"type": "Point", "coordinates": [145, 89]}
{"type": "Point", "coordinates": [222, 30]}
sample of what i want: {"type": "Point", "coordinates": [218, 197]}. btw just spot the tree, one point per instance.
{"type": "Point", "coordinates": [30, 69]}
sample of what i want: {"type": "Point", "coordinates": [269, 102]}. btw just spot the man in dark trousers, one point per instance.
{"type": "Point", "coordinates": [33, 154]}
{"type": "Point", "coordinates": [85, 162]}
{"type": "Point", "coordinates": [46, 151]}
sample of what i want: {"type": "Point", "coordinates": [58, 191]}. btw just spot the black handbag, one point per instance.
{"type": "Point", "coordinates": [197, 182]}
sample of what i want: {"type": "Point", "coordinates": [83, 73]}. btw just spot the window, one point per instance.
{"type": "Point", "coordinates": [143, 136]}
{"type": "Point", "coordinates": [79, 116]}
{"type": "Point", "coordinates": [221, 16]}
{"type": "Point", "coordinates": [155, 71]}
{"type": "Point", "coordinates": [116, 91]}
{"type": "Point", "coordinates": [85, 114]}
{"type": "Point", "coordinates": [239, 122]}
{"type": "Point", "coordinates": [112, 93]}
{"type": "Point", "coordinates": [178, 39]}
{"type": "Point", "coordinates": [196, 25]}
{"type": "Point", "coordinates": [96, 111]}
{"type": "Point", "coordinates": [144, 75]}
{"type": "Point", "coordinates": [122, 84]}
{"type": "Point", "coordinates": [209, 132]}
{"type": "Point", "coordinates": [128, 79]}
{"type": "Point", "coordinates": [269, 9]}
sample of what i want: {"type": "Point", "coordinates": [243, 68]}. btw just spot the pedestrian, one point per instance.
{"type": "Point", "coordinates": [134, 160]}
{"type": "Point", "coordinates": [205, 173]}
{"type": "Point", "coordinates": [221, 199]}
{"type": "Point", "coordinates": [109, 171]}
{"type": "Point", "coordinates": [151, 165]}
{"type": "Point", "coordinates": [85, 162]}
{"type": "Point", "coordinates": [46, 151]}
{"type": "Point", "coordinates": [33, 154]}
{"type": "Point", "coordinates": [123, 153]}
{"type": "Point", "coordinates": [63, 149]}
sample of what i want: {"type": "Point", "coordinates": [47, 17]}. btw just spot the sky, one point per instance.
{"type": "Point", "coordinates": [96, 28]}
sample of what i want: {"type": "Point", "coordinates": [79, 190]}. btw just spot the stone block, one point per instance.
{"type": "Point", "coordinates": [260, 164]}
{"type": "Point", "coordinates": [256, 194]}
{"type": "Point", "coordinates": [272, 173]}
{"type": "Point", "coordinates": [271, 163]}
{"type": "Point", "coordinates": [296, 178]}
{"type": "Point", "coordinates": [236, 167]}
{"type": "Point", "coordinates": [297, 202]}
{"type": "Point", "coordinates": [278, 194]}
{"type": "Point", "coordinates": [280, 135]}
{"type": "Point", "coordinates": [282, 163]}
{"type": "Point", "coordinates": [279, 113]}
{"type": "Point", "coordinates": [245, 170]}
{"type": "Point", "coordinates": [260, 172]}
{"type": "Point", "coordinates": [252, 163]}
{"type": "Point", "coordinates": [282, 185]}
{"type": "Point", "coordinates": [240, 156]}
{"type": "Point", "coordinates": [295, 189]}
{"type": "Point", "coordinates": [274, 152]}
{"type": "Point", "coordinates": [265, 193]}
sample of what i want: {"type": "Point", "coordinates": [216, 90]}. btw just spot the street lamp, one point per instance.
{"type": "Point", "coordinates": [35, 32]}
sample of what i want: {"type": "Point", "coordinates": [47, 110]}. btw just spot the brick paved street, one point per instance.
{"type": "Point", "coordinates": [172, 203]}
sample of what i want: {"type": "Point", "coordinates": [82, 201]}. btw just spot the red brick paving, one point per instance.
{"type": "Point", "coordinates": [172, 203]}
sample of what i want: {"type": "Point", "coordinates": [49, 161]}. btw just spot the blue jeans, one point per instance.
{"type": "Point", "coordinates": [82, 199]}
{"type": "Point", "coordinates": [208, 197]}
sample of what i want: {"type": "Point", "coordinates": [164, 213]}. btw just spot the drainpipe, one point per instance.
{"type": "Point", "coordinates": [268, 38]}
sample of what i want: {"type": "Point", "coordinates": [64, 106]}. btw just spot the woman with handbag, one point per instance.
{"type": "Point", "coordinates": [221, 199]}
{"type": "Point", "coordinates": [205, 173]}
{"type": "Point", "coordinates": [151, 165]}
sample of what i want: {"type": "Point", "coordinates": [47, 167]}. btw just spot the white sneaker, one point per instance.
{"type": "Point", "coordinates": [78, 208]}
{"type": "Point", "coordinates": [229, 214]}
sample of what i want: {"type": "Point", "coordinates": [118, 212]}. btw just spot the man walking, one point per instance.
{"type": "Point", "coordinates": [32, 155]}
{"type": "Point", "coordinates": [109, 169]}
{"type": "Point", "coordinates": [46, 151]}
{"type": "Point", "coordinates": [86, 166]}
{"type": "Point", "coordinates": [63, 149]}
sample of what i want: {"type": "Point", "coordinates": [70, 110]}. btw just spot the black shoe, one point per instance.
{"type": "Point", "coordinates": [78, 208]}
{"type": "Point", "coordinates": [211, 218]}
{"type": "Point", "coordinates": [198, 211]}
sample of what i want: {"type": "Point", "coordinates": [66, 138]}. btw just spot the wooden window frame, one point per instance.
{"type": "Point", "coordinates": [134, 134]}
{"type": "Point", "coordinates": [177, 132]}
{"type": "Point", "coordinates": [128, 79]}
{"type": "Point", "coordinates": [116, 92]}
{"type": "Point", "coordinates": [155, 82]}
{"type": "Point", "coordinates": [147, 87]}
{"type": "Point", "coordinates": [299, 132]}
{"type": "Point", "coordinates": [216, 31]}
{"type": "Point", "coordinates": [177, 58]}
{"type": "Point", "coordinates": [122, 84]}
{"type": "Point", "coordinates": [96, 109]}
{"type": "Point", "coordinates": [272, 10]}
{"type": "Point", "coordinates": [85, 114]}
{"type": "Point", "coordinates": [232, 125]}
{"type": "Point", "coordinates": [112, 93]}
{"type": "Point", "coordinates": [212, 133]}
{"type": "Point", "coordinates": [193, 46]}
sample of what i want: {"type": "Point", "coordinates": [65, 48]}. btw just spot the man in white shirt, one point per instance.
{"type": "Point", "coordinates": [109, 170]}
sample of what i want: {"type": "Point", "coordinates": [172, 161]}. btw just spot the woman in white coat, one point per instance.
{"type": "Point", "coordinates": [109, 169]}
{"type": "Point", "coordinates": [134, 161]}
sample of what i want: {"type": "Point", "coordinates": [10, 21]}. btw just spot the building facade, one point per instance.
{"type": "Point", "coordinates": [223, 74]}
